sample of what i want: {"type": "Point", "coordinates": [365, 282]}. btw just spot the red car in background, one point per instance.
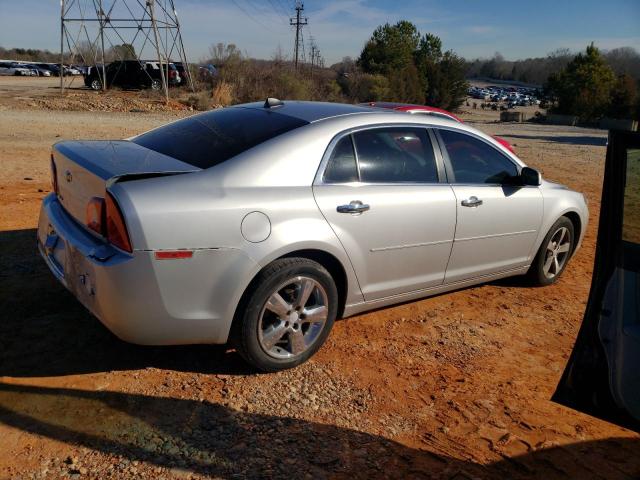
{"type": "Point", "coordinates": [425, 110]}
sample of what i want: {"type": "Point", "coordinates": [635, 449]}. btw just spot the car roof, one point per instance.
{"type": "Point", "coordinates": [311, 111]}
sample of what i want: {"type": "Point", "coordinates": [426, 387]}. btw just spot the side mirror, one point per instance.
{"type": "Point", "coordinates": [530, 177]}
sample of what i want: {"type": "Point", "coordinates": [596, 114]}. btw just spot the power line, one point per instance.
{"type": "Point", "coordinates": [246, 12]}
{"type": "Point", "coordinates": [278, 8]}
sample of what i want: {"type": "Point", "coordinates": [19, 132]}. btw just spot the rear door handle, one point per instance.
{"type": "Point", "coordinates": [355, 207]}
{"type": "Point", "coordinates": [471, 202]}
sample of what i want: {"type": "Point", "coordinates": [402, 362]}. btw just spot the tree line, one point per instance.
{"type": "Point", "coordinates": [589, 88]}
{"type": "Point", "coordinates": [623, 60]}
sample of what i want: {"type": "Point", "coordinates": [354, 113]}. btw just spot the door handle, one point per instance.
{"type": "Point", "coordinates": [471, 202]}
{"type": "Point", "coordinates": [355, 207]}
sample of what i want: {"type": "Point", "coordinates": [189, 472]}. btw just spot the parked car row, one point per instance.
{"type": "Point", "coordinates": [512, 96]}
{"type": "Point", "coordinates": [39, 69]}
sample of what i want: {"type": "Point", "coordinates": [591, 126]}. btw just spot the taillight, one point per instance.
{"type": "Point", "coordinates": [96, 215]}
{"type": "Point", "coordinates": [54, 175]}
{"type": "Point", "coordinates": [116, 228]}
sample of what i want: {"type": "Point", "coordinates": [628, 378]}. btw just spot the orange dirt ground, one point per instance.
{"type": "Point", "coordinates": [455, 386]}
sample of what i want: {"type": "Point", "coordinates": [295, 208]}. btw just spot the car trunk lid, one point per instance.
{"type": "Point", "coordinates": [86, 169]}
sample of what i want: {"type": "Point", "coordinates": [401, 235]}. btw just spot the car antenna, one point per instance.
{"type": "Point", "coordinates": [272, 102]}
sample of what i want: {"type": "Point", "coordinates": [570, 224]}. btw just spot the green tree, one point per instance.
{"type": "Point", "coordinates": [126, 51]}
{"type": "Point", "coordinates": [453, 85]}
{"type": "Point", "coordinates": [390, 48]}
{"type": "Point", "coordinates": [405, 85]}
{"type": "Point", "coordinates": [414, 66]}
{"type": "Point", "coordinates": [584, 87]}
{"type": "Point", "coordinates": [366, 87]}
{"type": "Point", "coordinates": [443, 74]}
{"type": "Point", "coordinates": [624, 97]}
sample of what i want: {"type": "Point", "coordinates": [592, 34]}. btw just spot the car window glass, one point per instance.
{"type": "Point", "coordinates": [208, 139]}
{"type": "Point", "coordinates": [341, 167]}
{"type": "Point", "coordinates": [631, 209]}
{"type": "Point", "coordinates": [474, 161]}
{"type": "Point", "coordinates": [395, 155]}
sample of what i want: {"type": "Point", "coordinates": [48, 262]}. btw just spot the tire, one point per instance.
{"type": "Point", "coordinates": [95, 84]}
{"type": "Point", "coordinates": [559, 243]}
{"type": "Point", "coordinates": [272, 335]}
{"type": "Point", "coordinates": [156, 84]}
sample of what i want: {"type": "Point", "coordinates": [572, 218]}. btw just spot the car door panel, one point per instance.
{"type": "Point", "coordinates": [497, 221]}
{"type": "Point", "coordinates": [498, 234]}
{"type": "Point", "coordinates": [389, 210]}
{"type": "Point", "coordinates": [402, 243]}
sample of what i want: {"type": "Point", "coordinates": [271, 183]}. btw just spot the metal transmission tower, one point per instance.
{"type": "Point", "coordinates": [316, 59]}
{"type": "Point", "coordinates": [99, 31]}
{"type": "Point", "coordinates": [299, 21]}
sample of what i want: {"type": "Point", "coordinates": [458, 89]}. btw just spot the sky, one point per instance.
{"type": "Point", "coordinates": [472, 28]}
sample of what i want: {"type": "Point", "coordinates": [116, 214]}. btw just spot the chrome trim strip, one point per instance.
{"type": "Point", "coordinates": [495, 235]}
{"type": "Point", "coordinates": [412, 245]}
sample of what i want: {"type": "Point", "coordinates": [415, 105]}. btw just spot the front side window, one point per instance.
{"type": "Point", "coordinates": [341, 167]}
{"type": "Point", "coordinates": [474, 161]}
{"type": "Point", "coordinates": [395, 155]}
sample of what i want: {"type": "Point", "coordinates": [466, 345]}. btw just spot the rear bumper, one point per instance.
{"type": "Point", "coordinates": [140, 299]}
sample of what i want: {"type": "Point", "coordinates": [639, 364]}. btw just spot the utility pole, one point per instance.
{"type": "Point", "coordinates": [102, 18]}
{"type": "Point", "coordinates": [154, 26]}
{"type": "Point", "coordinates": [62, 35]}
{"type": "Point", "coordinates": [313, 57]}
{"type": "Point", "coordinates": [298, 22]}
{"type": "Point", "coordinates": [316, 58]}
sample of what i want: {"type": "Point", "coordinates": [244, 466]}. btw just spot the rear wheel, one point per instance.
{"type": "Point", "coordinates": [95, 84]}
{"type": "Point", "coordinates": [287, 316]}
{"type": "Point", "coordinates": [554, 253]}
{"type": "Point", "coordinates": [156, 84]}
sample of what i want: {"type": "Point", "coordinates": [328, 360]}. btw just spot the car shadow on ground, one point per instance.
{"type": "Point", "coordinates": [586, 140]}
{"type": "Point", "coordinates": [45, 331]}
{"type": "Point", "coordinates": [213, 440]}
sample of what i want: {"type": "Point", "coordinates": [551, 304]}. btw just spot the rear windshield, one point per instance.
{"type": "Point", "coordinates": [211, 138]}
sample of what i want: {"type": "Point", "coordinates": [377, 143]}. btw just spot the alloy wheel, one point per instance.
{"type": "Point", "coordinates": [293, 318]}
{"type": "Point", "coordinates": [557, 252]}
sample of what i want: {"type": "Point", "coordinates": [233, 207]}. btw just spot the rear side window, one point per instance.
{"type": "Point", "coordinates": [395, 155]}
{"type": "Point", "coordinates": [211, 138]}
{"type": "Point", "coordinates": [474, 161]}
{"type": "Point", "coordinates": [341, 167]}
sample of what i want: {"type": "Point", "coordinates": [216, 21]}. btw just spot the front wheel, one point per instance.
{"type": "Point", "coordinates": [156, 84]}
{"type": "Point", "coordinates": [287, 316]}
{"type": "Point", "coordinates": [95, 84]}
{"type": "Point", "coordinates": [554, 253]}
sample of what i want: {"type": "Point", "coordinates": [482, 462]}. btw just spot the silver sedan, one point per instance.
{"type": "Point", "coordinates": [260, 224]}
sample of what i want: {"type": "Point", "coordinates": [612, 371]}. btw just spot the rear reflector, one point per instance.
{"type": "Point", "coordinates": [173, 254]}
{"type": "Point", "coordinates": [116, 228]}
